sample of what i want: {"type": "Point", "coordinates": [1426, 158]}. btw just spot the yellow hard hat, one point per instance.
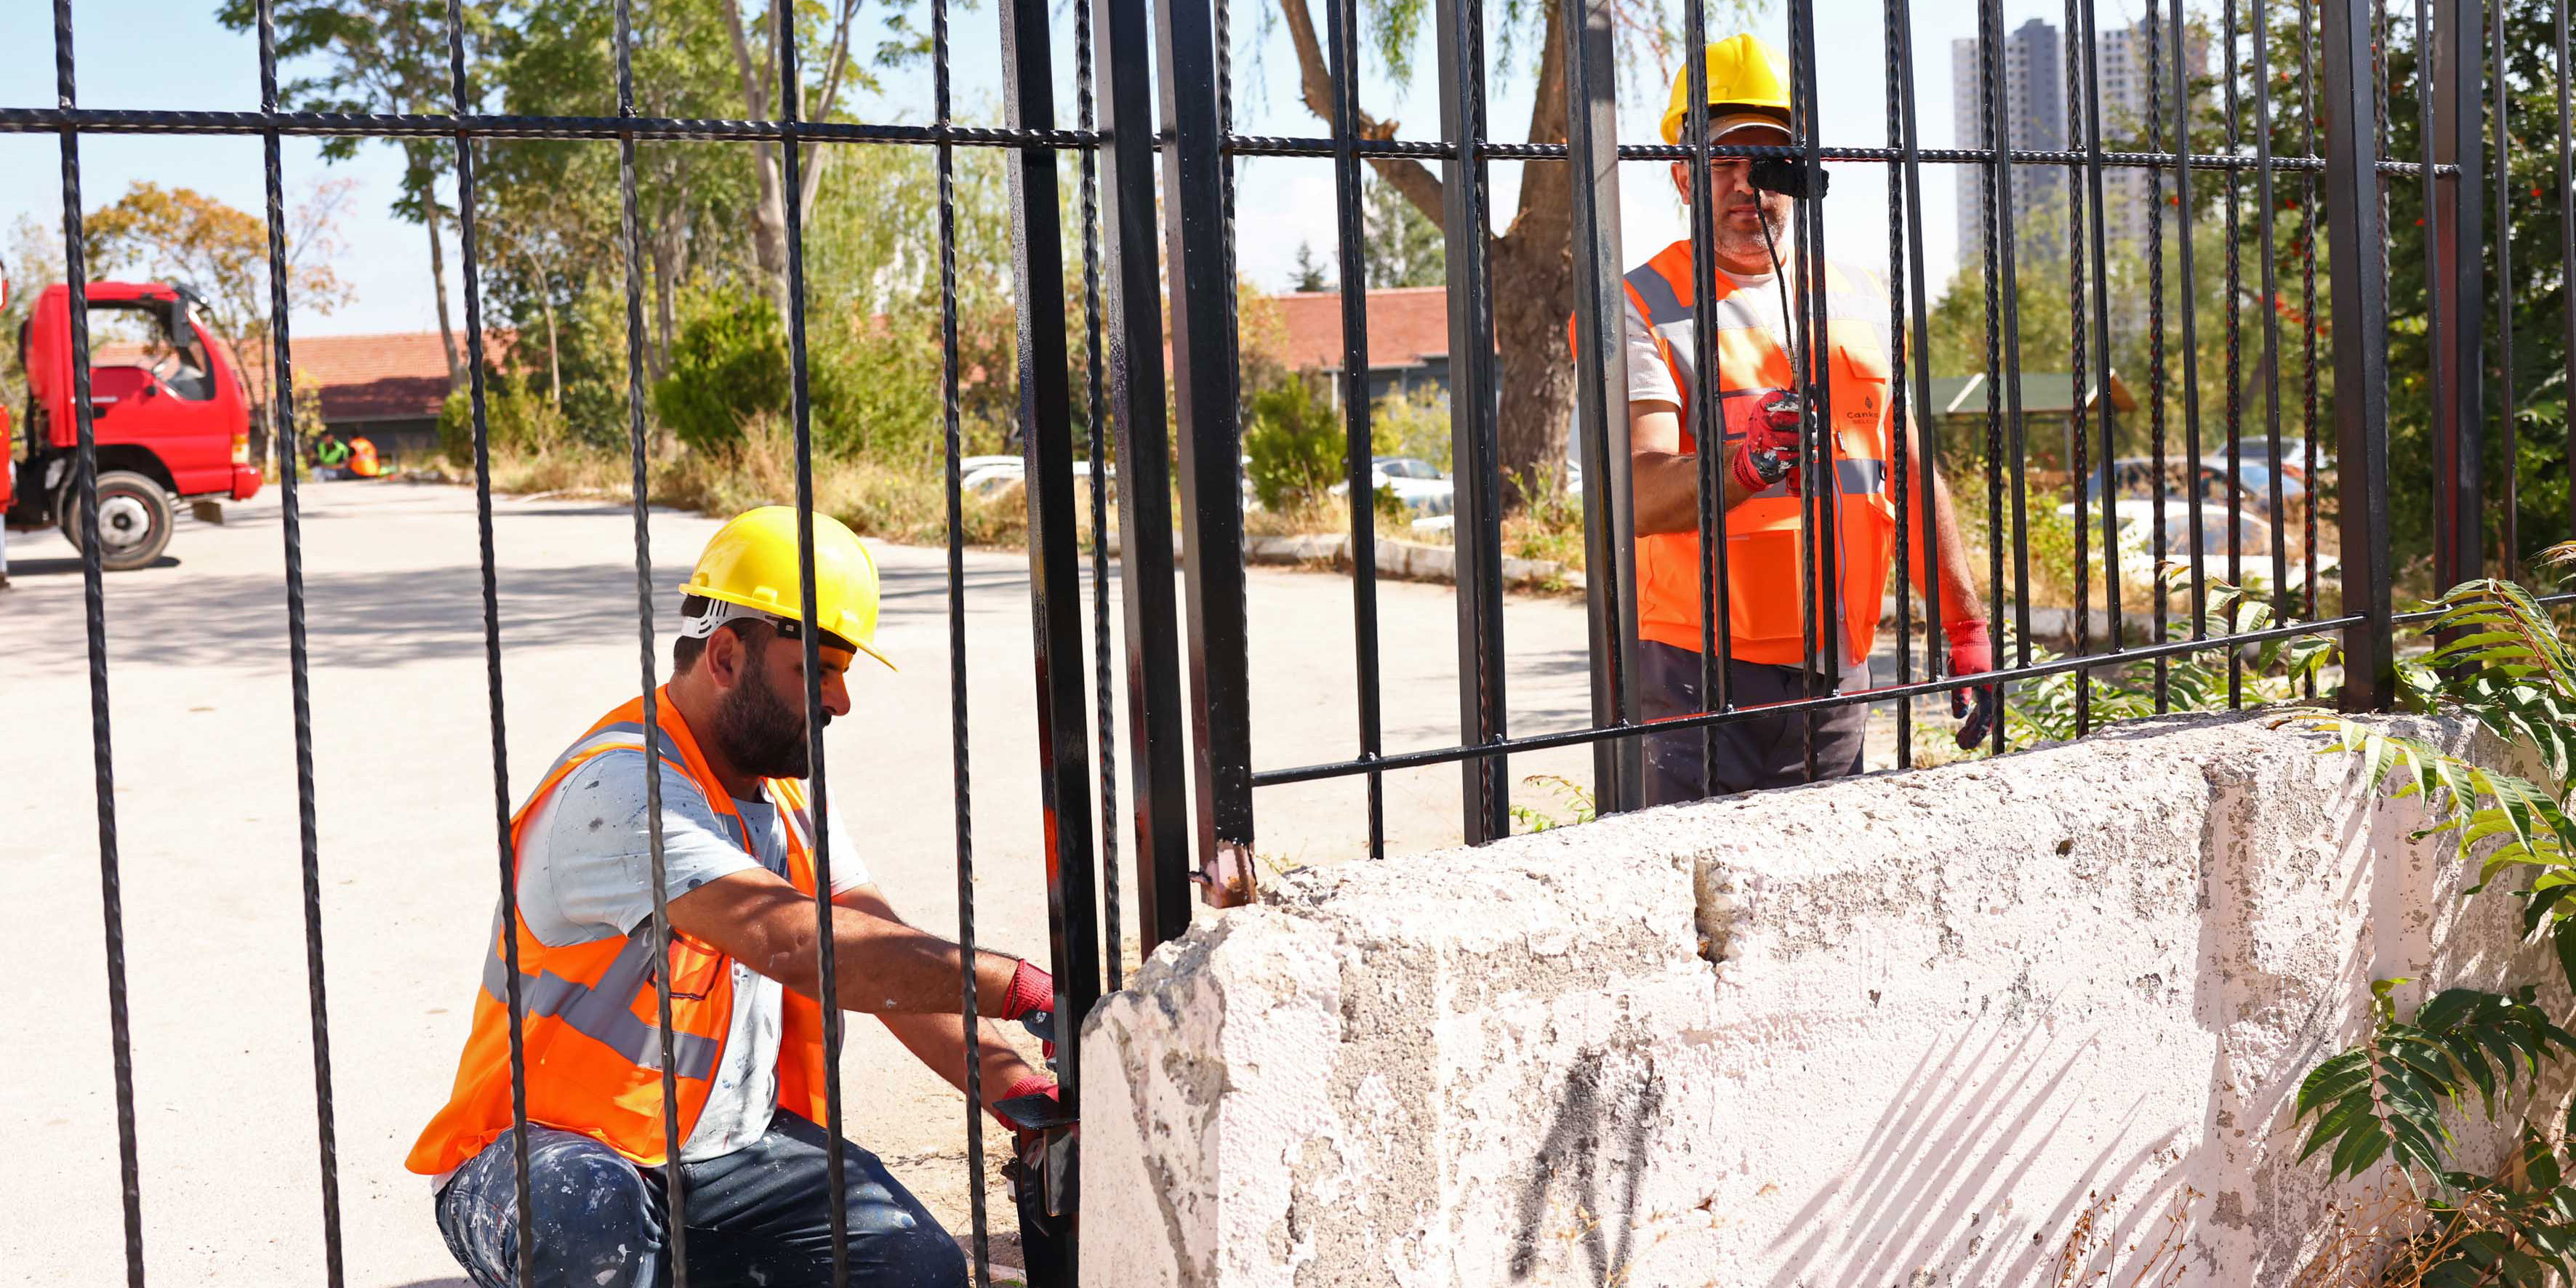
{"type": "Point", "coordinates": [751, 562]}
{"type": "Point", "coordinates": [1743, 71]}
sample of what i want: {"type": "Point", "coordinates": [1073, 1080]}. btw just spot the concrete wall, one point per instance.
{"type": "Point", "coordinates": [1899, 1030]}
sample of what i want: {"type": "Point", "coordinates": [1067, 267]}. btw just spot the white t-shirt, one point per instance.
{"type": "Point", "coordinates": [586, 874]}
{"type": "Point", "coordinates": [1649, 380]}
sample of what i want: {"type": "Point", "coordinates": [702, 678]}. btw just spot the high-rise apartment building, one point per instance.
{"type": "Point", "coordinates": [2034, 112]}
{"type": "Point", "coordinates": [2036, 119]}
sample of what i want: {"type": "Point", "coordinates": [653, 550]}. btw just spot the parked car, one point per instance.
{"type": "Point", "coordinates": [1417, 483]}
{"type": "Point", "coordinates": [2134, 477]}
{"type": "Point", "coordinates": [989, 476]}
{"type": "Point", "coordinates": [2139, 558]}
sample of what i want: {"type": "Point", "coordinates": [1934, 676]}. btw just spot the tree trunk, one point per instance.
{"type": "Point", "coordinates": [1532, 264]}
{"type": "Point", "coordinates": [1533, 296]}
{"type": "Point", "coordinates": [769, 215]}
{"type": "Point", "coordinates": [438, 281]}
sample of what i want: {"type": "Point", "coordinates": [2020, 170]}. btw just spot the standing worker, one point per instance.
{"type": "Point", "coordinates": [747, 1028]}
{"type": "Point", "coordinates": [1765, 413]}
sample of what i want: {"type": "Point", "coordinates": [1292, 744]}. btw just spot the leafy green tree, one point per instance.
{"type": "Point", "coordinates": [379, 56]}
{"type": "Point", "coordinates": [1404, 248]}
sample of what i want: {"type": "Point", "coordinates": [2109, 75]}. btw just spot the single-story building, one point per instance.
{"type": "Point", "coordinates": [1408, 326]}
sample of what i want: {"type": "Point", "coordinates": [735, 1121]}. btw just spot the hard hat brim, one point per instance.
{"type": "Point", "coordinates": [764, 606]}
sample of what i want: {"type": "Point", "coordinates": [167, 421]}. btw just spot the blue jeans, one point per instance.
{"type": "Point", "coordinates": [760, 1215]}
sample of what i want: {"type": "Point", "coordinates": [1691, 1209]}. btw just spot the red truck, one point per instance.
{"type": "Point", "coordinates": [169, 417]}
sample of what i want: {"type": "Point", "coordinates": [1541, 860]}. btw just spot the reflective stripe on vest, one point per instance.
{"type": "Point", "coordinates": [1675, 323]}
{"type": "Point", "coordinates": [600, 1011]}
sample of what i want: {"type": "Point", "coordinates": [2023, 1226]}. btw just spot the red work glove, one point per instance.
{"type": "Point", "coordinates": [1032, 989]}
{"type": "Point", "coordinates": [1766, 451]}
{"type": "Point", "coordinates": [1972, 652]}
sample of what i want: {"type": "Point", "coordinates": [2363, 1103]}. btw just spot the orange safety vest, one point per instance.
{"type": "Point", "coordinates": [1765, 534]}
{"type": "Point", "coordinates": [590, 1012]}
{"type": "Point", "coordinates": [362, 459]}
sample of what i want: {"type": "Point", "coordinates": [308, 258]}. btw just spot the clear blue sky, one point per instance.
{"type": "Point", "coordinates": [172, 54]}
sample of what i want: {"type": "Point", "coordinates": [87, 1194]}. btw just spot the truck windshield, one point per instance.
{"type": "Point", "coordinates": [138, 335]}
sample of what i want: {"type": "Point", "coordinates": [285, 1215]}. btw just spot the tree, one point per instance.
{"type": "Point", "coordinates": [378, 56]}
{"type": "Point", "coordinates": [221, 254]}
{"type": "Point", "coordinates": [1404, 249]}
{"type": "Point", "coordinates": [759, 84]}
{"type": "Point", "coordinates": [1531, 262]}
{"type": "Point", "coordinates": [1308, 275]}
{"type": "Point", "coordinates": [33, 262]}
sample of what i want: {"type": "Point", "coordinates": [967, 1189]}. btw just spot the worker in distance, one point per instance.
{"type": "Point", "coordinates": [745, 980]}
{"type": "Point", "coordinates": [1766, 392]}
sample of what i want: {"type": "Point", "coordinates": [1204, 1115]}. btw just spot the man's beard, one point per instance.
{"type": "Point", "coordinates": [1748, 243]}
{"type": "Point", "coordinates": [760, 733]}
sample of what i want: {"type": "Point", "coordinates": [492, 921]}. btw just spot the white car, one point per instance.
{"type": "Point", "coordinates": [1417, 483]}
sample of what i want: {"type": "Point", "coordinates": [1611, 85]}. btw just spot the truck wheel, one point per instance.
{"type": "Point", "coordinates": [134, 513]}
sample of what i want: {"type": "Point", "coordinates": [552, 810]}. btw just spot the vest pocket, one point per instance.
{"type": "Point", "coordinates": [695, 966]}
{"type": "Point", "coordinates": [1762, 587]}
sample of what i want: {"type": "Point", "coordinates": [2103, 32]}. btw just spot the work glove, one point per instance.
{"type": "Point", "coordinates": [1767, 453]}
{"type": "Point", "coordinates": [1032, 990]}
{"type": "Point", "coordinates": [1972, 652]}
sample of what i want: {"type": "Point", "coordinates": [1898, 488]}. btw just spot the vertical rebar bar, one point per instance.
{"type": "Point", "coordinates": [298, 646]}
{"type": "Point", "coordinates": [470, 252]}
{"type": "Point", "coordinates": [1351, 257]}
{"type": "Point", "coordinates": [791, 107]}
{"type": "Point", "coordinates": [1096, 405]}
{"type": "Point", "coordinates": [2508, 517]}
{"type": "Point", "coordinates": [630, 229]}
{"type": "Point", "coordinates": [111, 886]}
{"type": "Point", "coordinates": [979, 1239]}
{"type": "Point", "coordinates": [1916, 294]}
{"type": "Point", "coordinates": [2156, 488]}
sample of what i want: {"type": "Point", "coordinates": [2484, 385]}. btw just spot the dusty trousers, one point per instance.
{"type": "Point", "coordinates": [759, 1215]}
{"type": "Point", "coordinates": [1754, 753]}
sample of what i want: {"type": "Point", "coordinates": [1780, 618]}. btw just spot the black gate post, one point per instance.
{"type": "Point", "coordinates": [1055, 567]}
{"type": "Point", "coordinates": [1601, 396]}
{"type": "Point", "coordinates": [1204, 392]}
{"type": "Point", "coordinates": [1474, 426]}
{"type": "Point", "coordinates": [2360, 301]}
{"type": "Point", "coordinates": [1160, 791]}
{"type": "Point", "coordinates": [2458, 229]}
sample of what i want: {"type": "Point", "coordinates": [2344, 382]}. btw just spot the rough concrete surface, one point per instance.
{"type": "Point", "coordinates": [1899, 1030]}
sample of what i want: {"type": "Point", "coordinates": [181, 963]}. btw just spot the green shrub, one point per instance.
{"type": "Point", "coordinates": [1295, 444]}
{"type": "Point", "coordinates": [519, 420]}
{"type": "Point", "coordinates": [730, 365]}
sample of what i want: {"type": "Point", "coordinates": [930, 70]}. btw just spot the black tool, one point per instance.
{"type": "Point", "coordinates": [1787, 176]}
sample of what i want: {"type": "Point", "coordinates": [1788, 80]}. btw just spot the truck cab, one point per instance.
{"type": "Point", "coordinates": [168, 415]}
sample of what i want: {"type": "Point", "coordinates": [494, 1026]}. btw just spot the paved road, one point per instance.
{"type": "Point", "coordinates": [206, 817]}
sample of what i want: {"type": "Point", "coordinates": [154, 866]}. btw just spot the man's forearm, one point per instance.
{"type": "Point", "coordinates": [883, 966]}
{"type": "Point", "coordinates": [1666, 488]}
{"type": "Point", "coordinates": [1959, 598]}
{"type": "Point", "coordinates": [939, 1041]}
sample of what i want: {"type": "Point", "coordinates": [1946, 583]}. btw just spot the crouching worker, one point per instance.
{"type": "Point", "coordinates": [746, 1022]}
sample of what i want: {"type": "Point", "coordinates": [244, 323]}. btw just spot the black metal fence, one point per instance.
{"type": "Point", "coordinates": [1157, 153]}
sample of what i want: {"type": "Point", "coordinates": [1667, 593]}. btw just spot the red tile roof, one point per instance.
{"type": "Point", "coordinates": [1406, 324]}
{"type": "Point", "coordinates": [397, 376]}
